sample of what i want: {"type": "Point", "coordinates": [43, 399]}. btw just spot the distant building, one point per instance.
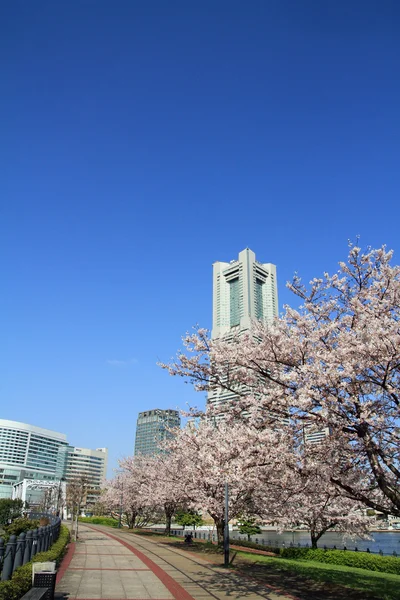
{"type": "Point", "coordinates": [89, 467]}
{"type": "Point", "coordinates": [37, 464]}
{"type": "Point", "coordinates": [30, 452]}
{"type": "Point", "coordinates": [244, 291]}
{"type": "Point", "coordinates": [313, 436]}
{"type": "Point", "coordinates": [152, 429]}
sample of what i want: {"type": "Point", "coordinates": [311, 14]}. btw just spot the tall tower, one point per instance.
{"type": "Point", "coordinates": [152, 429]}
{"type": "Point", "coordinates": [243, 290]}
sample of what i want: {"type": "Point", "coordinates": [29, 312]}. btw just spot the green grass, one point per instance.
{"type": "Point", "coordinates": [373, 584]}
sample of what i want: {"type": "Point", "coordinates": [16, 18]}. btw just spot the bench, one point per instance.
{"type": "Point", "coordinates": [35, 594]}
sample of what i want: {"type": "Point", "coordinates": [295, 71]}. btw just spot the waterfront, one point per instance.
{"type": "Point", "coordinates": [386, 542]}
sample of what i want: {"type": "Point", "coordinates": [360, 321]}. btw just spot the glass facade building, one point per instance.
{"type": "Point", "coordinates": [244, 291]}
{"type": "Point", "coordinates": [42, 458]}
{"type": "Point", "coordinates": [29, 452]}
{"type": "Point", "coordinates": [152, 429]}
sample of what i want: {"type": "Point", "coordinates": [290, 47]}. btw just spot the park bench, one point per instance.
{"type": "Point", "coordinates": [35, 594]}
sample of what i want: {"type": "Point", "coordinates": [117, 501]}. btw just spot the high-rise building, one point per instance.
{"type": "Point", "coordinates": [29, 452]}
{"type": "Point", "coordinates": [313, 436]}
{"type": "Point", "coordinates": [36, 461]}
{"type": "Point", "coordinates": [152, 429]}
{"type": "Point", "coordinates": [243, 290]}
{"type": "Point", "coordinates": [89, 467]}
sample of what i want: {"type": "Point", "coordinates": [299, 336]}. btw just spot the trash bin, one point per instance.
{"type": "Point", "coordinates": [46, 579]}
{"type": "Point", "coordinates": [44, 576]}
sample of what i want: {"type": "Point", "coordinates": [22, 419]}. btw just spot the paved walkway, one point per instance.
{"type": "Point", "coordinates": [106, 564]}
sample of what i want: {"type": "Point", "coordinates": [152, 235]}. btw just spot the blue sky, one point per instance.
{"type": "Point", "coordinates": [141, 142]}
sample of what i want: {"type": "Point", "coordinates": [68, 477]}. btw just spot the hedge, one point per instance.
{"type": "Point", "coordinates": [360, 560]}
{"type": "Point", "coordinates": [100, 521]}
{"type": "Point", "coordinates": [21, 581]}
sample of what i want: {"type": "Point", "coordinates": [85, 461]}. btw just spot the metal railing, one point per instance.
{"type": "Point", "coordinates": [20, 550]}
{"type": "Point", "coordinates": [211, 536]}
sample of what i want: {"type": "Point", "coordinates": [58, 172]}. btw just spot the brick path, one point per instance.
{"type": "Point", "coordinates": [110, 565]}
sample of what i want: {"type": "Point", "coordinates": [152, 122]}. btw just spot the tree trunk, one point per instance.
{"type": "Point", "coordinates": [314, 539]}
{"type": "Point", "coordinates": [220, 525]}
{"type": "Point", "coordinates": [72, 523]}
{"type": "Point", "coordinates": [316, 535]}
{"type": "Point", "coordinates": [131, 519]}
{"type": "Point", "coordinates": [248, 537]}
{"type": "Point", "coordinates": [169, 509]}
{"type": "Point", "coordinates": [168, 518]}
{"type": "Point", "coordinates": [76, 524]}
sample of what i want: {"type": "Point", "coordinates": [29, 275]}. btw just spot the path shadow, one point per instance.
{"type": "Point", "coordinates": [372, 588]}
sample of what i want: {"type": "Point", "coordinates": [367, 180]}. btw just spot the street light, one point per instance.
{"type": "Point", "coordinates": [226, 528]}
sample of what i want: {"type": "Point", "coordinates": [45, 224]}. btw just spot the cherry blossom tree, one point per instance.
{"type": "Point", "coordinates": [307, 496]}
{"type": "Point", "coordinates": [163, 484]}
{"type": "Point", "coordinates": [208, 454]}
{"type": "Point", "coordinates": [333, 363]}
{"type": "Point", "coordinates": [129, 490]}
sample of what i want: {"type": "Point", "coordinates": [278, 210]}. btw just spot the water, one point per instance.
{"type": "Point", "coordinates": [381, 541]}
{"type": "Point", "coordinates": [385, 541]}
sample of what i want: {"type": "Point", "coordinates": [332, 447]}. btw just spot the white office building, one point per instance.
{"type": "Point", "coordinates": [89, 465]}
{"type": "Point", "coordinates": [244, 290]}
{"type": "Point", "coordinates": [35, 461]}
{"type": "Point", "coordinates": [30, 452]}
{"type": "Point", "coordinates": [315, 436]}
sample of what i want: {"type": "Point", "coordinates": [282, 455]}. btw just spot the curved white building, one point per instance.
{"type": "Point", "coordinates": [29, 452]}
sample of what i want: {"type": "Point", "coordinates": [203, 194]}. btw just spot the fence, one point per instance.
{"type": "Point", "coordinates": [211, 536]}
{"type": "Point", "coordinates": [21, 550]}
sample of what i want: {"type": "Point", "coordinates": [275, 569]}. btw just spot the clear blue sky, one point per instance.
{"type": "Point", "coordinates": [141, 142]}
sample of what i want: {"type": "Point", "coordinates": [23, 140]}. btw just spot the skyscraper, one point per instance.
{"type": "Point", "coordinates": [244, 290]}
{"type": "Point", "coordinates": [152, 429]}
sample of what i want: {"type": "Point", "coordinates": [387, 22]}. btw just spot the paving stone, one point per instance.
{"type": "Point", "coordinates": [108, 570]}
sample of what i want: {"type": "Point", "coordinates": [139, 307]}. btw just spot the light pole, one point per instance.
{"type": "Point", "coordinates": [120, 507]}
{"type": "Point", "coordinates": [226, 528]}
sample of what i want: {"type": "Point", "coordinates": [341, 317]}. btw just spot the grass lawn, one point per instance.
{"type": "Point", "coordinates": [383, 586]}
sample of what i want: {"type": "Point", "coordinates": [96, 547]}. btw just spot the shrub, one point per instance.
{"type": "Point", "coordinates": [110, 521]}
{"type": "Point", "coordinates": [360, 560]}
{"type": "Point", "coordinates": [21, 581]}
{"type": "Point", "coordinates": [20, 525]}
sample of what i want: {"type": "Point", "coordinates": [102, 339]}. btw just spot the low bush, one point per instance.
{"type": "Point", "coordinates": [21, 581]}
{"type": "Point", "coordinates": [100, 521]}
{"type": "Point", "coordinates": [20, 525]}
{"type": "Point", "coordinates": [360, 560]}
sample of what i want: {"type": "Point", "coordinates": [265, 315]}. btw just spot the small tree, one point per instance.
{"type": "Point", "coordinates": [249, 527]}
{"type": "Point", "coordinates": [10, 510]}
{"type": "Point", "coordinates": [189, 518]}
{"type": "Point", "coordinates": [76, 491]}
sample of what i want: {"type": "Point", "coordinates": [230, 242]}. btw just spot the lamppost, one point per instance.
{"type": "Point", "coordinates": [226, 528]}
